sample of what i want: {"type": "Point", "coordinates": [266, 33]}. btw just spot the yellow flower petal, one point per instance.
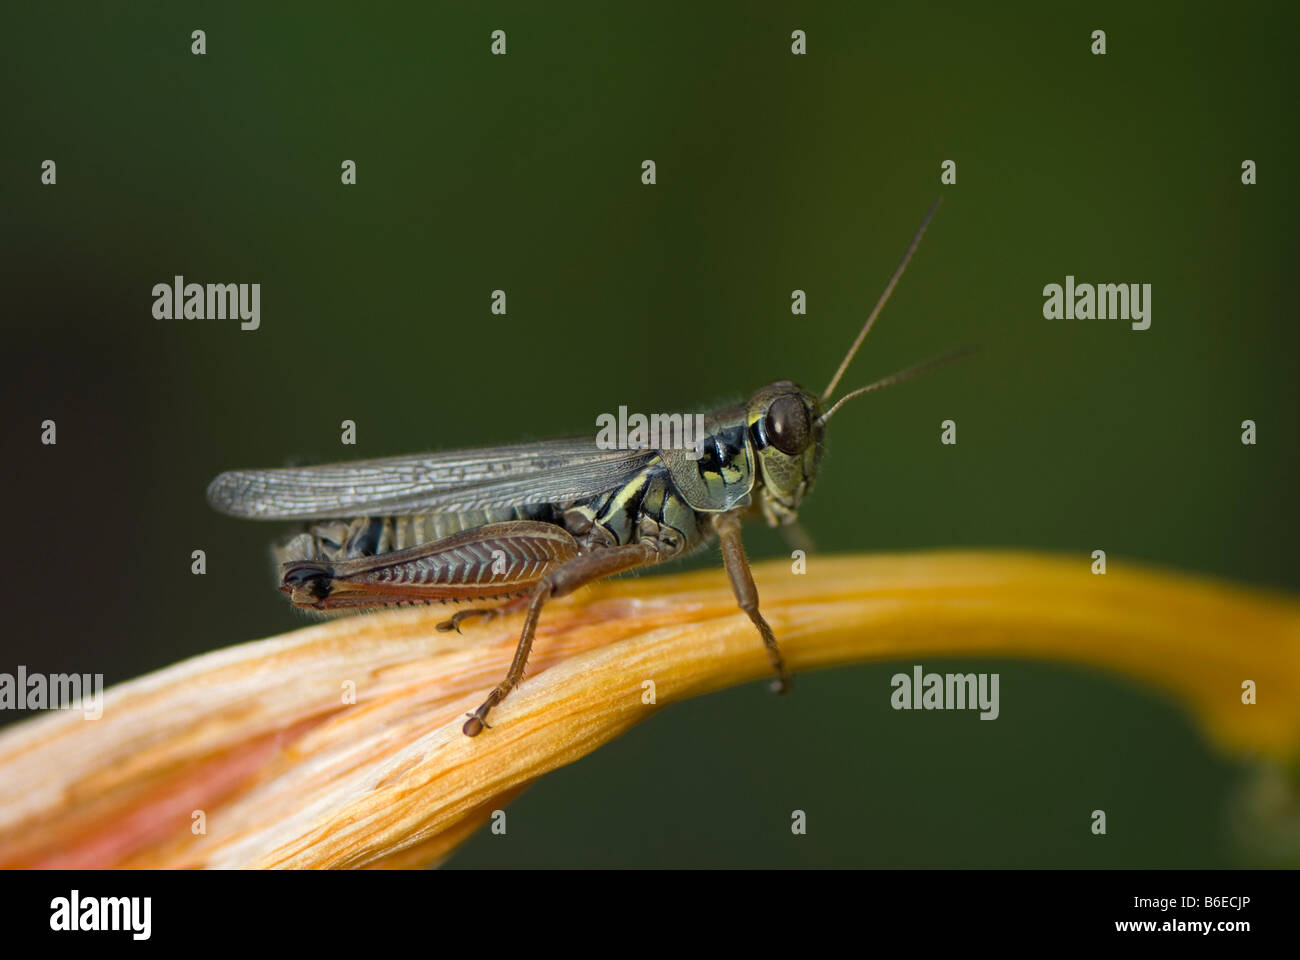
{"type": "Point", "coordinates": [287, 771]}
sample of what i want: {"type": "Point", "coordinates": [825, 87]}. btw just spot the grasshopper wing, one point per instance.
{"type": "Point", "coordinates": [553, 471]}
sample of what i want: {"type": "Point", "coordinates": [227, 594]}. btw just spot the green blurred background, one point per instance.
{"type": "Point", "coordinates": [775, 172]}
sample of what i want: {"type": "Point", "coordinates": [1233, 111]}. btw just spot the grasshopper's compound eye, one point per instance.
{"type": "Point", "coordinates": [787, 425]}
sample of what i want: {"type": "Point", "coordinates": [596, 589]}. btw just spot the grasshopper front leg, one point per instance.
{"type": "Point", "coordinates": [727, 526]}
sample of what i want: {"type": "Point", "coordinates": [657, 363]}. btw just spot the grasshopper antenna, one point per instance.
{"type": "Point", "coordinates": [875, 312]}
{"type": "Point", "coordinates": [899, 377]}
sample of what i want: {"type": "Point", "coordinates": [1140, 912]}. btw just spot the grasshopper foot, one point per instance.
{"type": "Point", "coordinates": [474, 725]}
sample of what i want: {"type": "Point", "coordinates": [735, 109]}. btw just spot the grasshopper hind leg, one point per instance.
{"type": "Point", "coordinates": [583, 569]}
{"type": "Point", "coordinates": [493, 562]}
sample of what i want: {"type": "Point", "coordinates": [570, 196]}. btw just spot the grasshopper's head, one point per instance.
{"type": "Point", "coordinates": [785, 428]}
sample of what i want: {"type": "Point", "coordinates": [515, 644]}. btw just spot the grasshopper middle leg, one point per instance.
{"type": "Point", "coordinates": [491, 613]}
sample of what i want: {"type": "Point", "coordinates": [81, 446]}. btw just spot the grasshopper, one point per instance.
{"type": "Point", "coordinates": [515, 526]}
